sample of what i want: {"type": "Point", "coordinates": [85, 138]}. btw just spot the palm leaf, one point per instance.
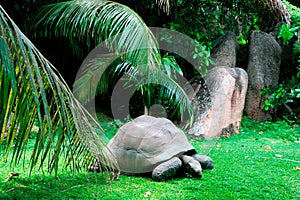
{"type": "Point", "coordinates": [93, 76]}
{"type": "Point", "coordinates": [31, 89]}
{"type": "Point", "coordinates": [174, 90]}
{"type": "Point", "coordinates": [87, 20]}
{"type": "Point", "coordinates": [112, 24]}
{"type": "Point", "coordinates": [165, 5]}
{"type": "Point", "coordinates": [88, 79]}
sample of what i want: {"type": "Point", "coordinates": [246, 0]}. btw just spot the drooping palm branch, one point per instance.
{"type": "Point", "coordinates": [166, 5]}
{"type": "Point", "coordinates": [123, 32]}
{"type": "Point", "coordinates": [100, 20]}
{"type": "Point", "coordinates": [32, 90]}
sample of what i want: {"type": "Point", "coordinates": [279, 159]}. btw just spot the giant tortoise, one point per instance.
{"type": "Point", "coordinates": [155, 145]}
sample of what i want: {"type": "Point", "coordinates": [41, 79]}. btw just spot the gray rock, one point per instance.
{"type": "Point", "coordinates": [227, 88]}
{"type": "Point", "coordinates": [263, 70]}
{"type": "Point", "coordinates": [225, 53]}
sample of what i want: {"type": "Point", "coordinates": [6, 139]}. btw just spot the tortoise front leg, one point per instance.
{"type": "Point", "coordinates": [205, 161]}
{"type": "Point", "coordinates": [192, 166]}
{"type": "Point", "coordinates": [167, 169]}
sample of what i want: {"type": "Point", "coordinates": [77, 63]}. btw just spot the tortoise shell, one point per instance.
{"type": "Point", "coordinates": [142, 144]}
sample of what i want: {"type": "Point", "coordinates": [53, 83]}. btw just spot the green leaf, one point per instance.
{"type": "Point", "coordinates": [122, 30]}
{"type": "Point", "coordinates": [32, 89]}
{"type": "Point", "coordinates": [285, 33]}
{"type": "Point", "coordinates": [169, 62]}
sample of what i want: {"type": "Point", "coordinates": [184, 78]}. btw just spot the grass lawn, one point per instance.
{"type": "Point", "coordinates": [262, 162]}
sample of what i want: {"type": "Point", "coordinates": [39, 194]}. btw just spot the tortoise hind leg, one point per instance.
{"type": "Point", "coordinates": [167, 169]}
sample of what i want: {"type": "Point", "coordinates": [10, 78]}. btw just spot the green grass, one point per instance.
{"type": "Point", "coordinates": [258, 163]}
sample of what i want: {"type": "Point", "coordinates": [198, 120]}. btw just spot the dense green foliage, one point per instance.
{"type": "Point", "coordinates": [283, 99]}
{"type": "Point", "coordinates": [132, 49]}
{"type": "Point", "coordinates": [203, 20]}
{"type": "Point", "coordinates": [259, 163]}
{"type": "Point", "coordinates": [208, 20]}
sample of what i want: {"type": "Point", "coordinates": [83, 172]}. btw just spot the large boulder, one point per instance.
{"type": "Point", "coordinates": [225, 53]}
{"type": "Point", "coordinates": [227, 90]}
{"type": "Point", "coordinates": [263, 70]}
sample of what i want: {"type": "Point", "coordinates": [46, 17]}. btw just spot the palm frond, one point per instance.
{"type": "Point", "coordinates": [116, 26]}
{"type": "Point", "coordinates": [96, 73]}
{"type": "Point", "coordinates": [165, 5]}
{"type": "Point", "coordinates": [171, 86]}
{"type": "Point", "coordinates": [123, 31]}
{"type": "Point", "coordinates": [174, 90]}
{"type": "Point", "coordinates": [32, 90]}
{"type": "Point", "coordinates": [89, 77]}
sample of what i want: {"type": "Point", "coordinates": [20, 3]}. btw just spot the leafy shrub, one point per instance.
{"type": "Point", "coordinates": [289, 38]}
{"type": "Point", "coordinates": [206, 20]}
{"type": "Point", "coordinates": [283, 99]}
{"type": "Point", "coordinates": [283, 129]}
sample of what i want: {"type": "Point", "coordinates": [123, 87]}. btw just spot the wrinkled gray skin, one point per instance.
{"type": "Point", "coordinates": [167, 169]}
{"type": "Point", "coordinates": [193, 165]}
{"type": "Point", "coordinates": [155, 145]}
{"type": "Point", "coordinates": [205, 161]}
